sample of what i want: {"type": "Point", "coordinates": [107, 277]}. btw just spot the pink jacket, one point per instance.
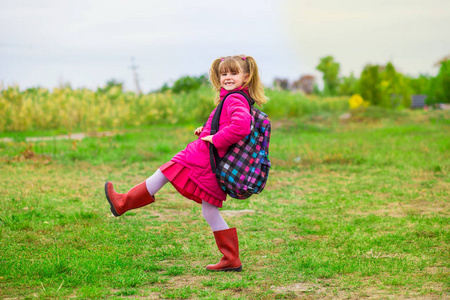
{"type": "Point", "coordinates": [234, 125]}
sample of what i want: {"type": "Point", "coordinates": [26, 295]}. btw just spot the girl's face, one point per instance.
{"type": "Point", "coordinates": [232, 80]}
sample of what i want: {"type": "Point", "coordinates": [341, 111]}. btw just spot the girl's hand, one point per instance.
{"type": "Point", "coordinates": [198, 130]}
{"type": "Point", "coordinates": [208, 138]}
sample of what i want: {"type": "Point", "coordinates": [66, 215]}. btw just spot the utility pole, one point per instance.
{"type": "Point", "coordinates": [136, 77]}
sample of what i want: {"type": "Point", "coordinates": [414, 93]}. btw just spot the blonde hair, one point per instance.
{"type": "Point", "coordinates": [238, 64]}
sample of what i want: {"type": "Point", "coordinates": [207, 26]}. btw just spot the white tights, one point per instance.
{"type": "Point", "coordinates": [210, 212]}
{"type": "Point", "coordinates": [212, 215]}
{"type": "Point", "coordinates": [156, 182]}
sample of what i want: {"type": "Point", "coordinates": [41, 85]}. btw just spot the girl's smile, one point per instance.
{"type": "Point", "coordinates": [232, 80]}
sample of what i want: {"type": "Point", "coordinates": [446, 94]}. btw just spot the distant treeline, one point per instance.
{"type": "Point", "coordinates": [379, 85]}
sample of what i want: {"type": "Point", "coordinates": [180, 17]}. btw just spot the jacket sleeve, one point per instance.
{"type": "Point", "coordinates": [238, 112]}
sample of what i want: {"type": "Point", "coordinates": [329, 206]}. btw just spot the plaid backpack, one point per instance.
{"type": "Point", "coordinates": [244, 169]}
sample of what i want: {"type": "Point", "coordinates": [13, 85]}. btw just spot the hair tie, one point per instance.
{"type": "Point", "coordinates": [243, 58]}
{"type": "Point", "coordinates": [222, 59]}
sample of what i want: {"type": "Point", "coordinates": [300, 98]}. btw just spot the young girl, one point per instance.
{"type": "Point", "coordinates": [189, 171]}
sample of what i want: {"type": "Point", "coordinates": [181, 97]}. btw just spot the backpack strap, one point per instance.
{"type": "Point", "coordinates": [213, 153]}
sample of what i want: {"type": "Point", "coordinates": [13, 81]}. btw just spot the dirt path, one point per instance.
{"type": "Point", "coordinates": [74, 136]}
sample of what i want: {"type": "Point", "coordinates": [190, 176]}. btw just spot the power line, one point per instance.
{"type": "Point", "coordinates": [136, 76]}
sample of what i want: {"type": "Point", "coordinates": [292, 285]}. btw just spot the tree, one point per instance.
{"type": "Point", "coordinates": [113, 83]}
{"type": "Point", "coordinates": [281, 83]}
{"type": "Point", "coordinates": [330, 70]}
{"type": "Point", "coordinates": [384, 86]}
{"type": "Point", "coordinates": [113, 87]}
{"type": "Point", "coordinates": [164, 88]}
{"type": "Point", "coordinates": [305, 84]}
{"type": "Point", "coordinates": [420, 85]}
{"type": "Point", "coordinates": [369, 84]}
{"type": "Point", "coordinates": [348, 85]}
{"type": "Point", "coordinates": [390, 87]}
{"type": "Point", "coordinates": [396, 88]}
{"type": "Point", "coordinates": [440, 85]}
{"type": "Point", "coordinates": [188, 84]}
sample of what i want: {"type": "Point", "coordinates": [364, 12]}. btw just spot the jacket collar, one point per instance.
{"type": "Point", "coordinates": [224, 92]}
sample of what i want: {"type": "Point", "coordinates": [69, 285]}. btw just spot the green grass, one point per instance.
{"type": "Point", "coordinates": [352, 209]}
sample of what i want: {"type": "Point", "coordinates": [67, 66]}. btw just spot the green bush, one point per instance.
{"type": "Point", "coordinates": [188, 84]}
{"type": "Point", "coordinates": [384, 86]}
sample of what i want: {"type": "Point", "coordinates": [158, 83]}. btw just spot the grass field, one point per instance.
{"type": "Point", "coordinates": [353, 209]}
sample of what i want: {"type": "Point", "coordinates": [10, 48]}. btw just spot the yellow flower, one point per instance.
{"type": "Point", "coordinates": [357, 101]}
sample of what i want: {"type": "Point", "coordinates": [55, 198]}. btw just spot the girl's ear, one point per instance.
{"type": "Point", "coordinates": [246, 77]}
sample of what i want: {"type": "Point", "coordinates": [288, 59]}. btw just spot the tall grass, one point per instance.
{"type": "Point", "coordinates": [82, 109]}
{"type": "Point", "coordinates": [285, 104]}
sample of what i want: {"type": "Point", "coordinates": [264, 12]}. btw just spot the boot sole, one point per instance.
{"type": "Point", "coordinates": [113, 210]}
{"type": "Point", "coordinates": [238, 269]}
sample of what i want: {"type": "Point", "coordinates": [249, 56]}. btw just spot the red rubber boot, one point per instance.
{"type": "Point", "coordinates": [137, 197]}
{"type": "Point", "coordinates": [227, 242]}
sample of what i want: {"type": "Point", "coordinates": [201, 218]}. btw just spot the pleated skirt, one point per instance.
{"type": "Point", "coordinates": [178, 175]}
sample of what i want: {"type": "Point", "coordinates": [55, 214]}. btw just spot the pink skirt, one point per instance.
{"type": "Point", "coordinates": [178, 176]}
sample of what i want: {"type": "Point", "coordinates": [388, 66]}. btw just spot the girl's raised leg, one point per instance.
{"type": "Point", "coordinates": [140, 195]}
{"type": "Point", "coordinates": [155, 182]}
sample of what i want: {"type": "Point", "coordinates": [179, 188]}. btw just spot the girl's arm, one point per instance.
{"type": "Point", "coordinates": [238, 111]}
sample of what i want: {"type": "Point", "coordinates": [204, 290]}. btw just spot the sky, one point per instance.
{"type": "Point", "coordinates": [85, 43]}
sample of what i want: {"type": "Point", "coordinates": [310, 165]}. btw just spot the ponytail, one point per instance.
{"type": "Point", "coordinates": [214, 75]}
{"type": "Point", "coordinates": [255, 86]}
